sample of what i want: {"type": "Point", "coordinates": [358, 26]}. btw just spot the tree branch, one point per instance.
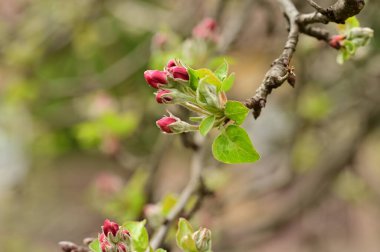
{"type": "Point", "coordinates": [280, 70]}
{"type": "Point", "coordinates": [337, 12]}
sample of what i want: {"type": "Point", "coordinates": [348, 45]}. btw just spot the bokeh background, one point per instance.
{"type": "Point", "coordinates": [78, 141]}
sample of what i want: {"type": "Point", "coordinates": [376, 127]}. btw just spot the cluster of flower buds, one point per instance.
{"type": "Point", "coordinates": [114, 238]}
{"type": "Point", "coordinates": [173, 87]}
{"type": "Point", "coordinates": [202, 239]}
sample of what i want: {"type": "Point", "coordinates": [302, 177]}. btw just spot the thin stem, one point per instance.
{"type": "Point", "coordinates": [195, 108]}
{"type": "Point", "coordinates": [191, 188]}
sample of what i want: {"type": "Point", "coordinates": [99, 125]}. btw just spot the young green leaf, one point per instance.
{"type": "Point", "coordinates": [236, 111]}
{"type": "Point", "coordinates": [233, 146]}
{"type": "Point", "coordinates": [188, 244]}
{"type": "Point", "coordinates": [168, 203]}
{"type": "Point", "coordinates": [94, 246]}
{"type": "Point", "coordinates": [206, 125]}
{"type": "Point", "coordinates": [349, 23]}
{"type": "Point", "coordinates": [228, 83]}
{"type": "Point", "coordinates": [184, 229]}
{"type": "Point", "coordinates": [352, 22]}
{"type": "Point", "coordinates": [350, 47]}
{"type": "Point", "coordinates": [160, 250]}
{"type": "Point", "coordinates": [208, 76]}
{"type": "Point", "coordinates": [139, 234]}
{"type": "Point", "coordinates": [207, 96]}
{"type": "Point", "coordinates": [193, 78]}
{"type": "Point", "coordinates": [222, 71]}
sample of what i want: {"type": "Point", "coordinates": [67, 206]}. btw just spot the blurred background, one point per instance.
{"type": "Point", "coordinates": [78, 141]}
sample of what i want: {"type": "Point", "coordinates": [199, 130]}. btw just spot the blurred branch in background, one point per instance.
{"type": "Point", "coordinates": [114, 75]}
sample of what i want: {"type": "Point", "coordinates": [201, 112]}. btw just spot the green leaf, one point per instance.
{"type": "Point", "coordinates": [168, 203]}
{"type": "Point", "coordinates": [228, 82]}
{"type": "Point", "coordinates": [95, 246]}
{"type": "Point", "coordinates": [184, 229]}
{"type": "Point", "coordinates": [350, 47]}
{"type": "Point", "coordinates": [193, 78]}
{"type": "Point", "coordinates": [236, 111]}
{"type": "Point", "coordinates": [160, 250]}
{"type": "Point", "coordinates": [208, 76]}
{"type": "Point", "coordinates": [139, 235]}
{"type": "Point", "coordinates": [207, 96]}
{"type": "Point", "coordinates": [119, 124]}
{"type": "Point", "coordinates": [206, 125]}
{"type": "Point", "coordinates": [351, 22]}
{"type": "Point", "coordinates": [222, 71]}
{"type": "Point", "coordinates": [233, 146]}
{"type": "Point", "coordinates": [188, 244]}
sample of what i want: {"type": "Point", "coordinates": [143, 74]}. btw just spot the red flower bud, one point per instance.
{"type": "Point", "coordinates": [110, 227]}
{"type": "Point", "coordinates": [179, 73]}
{"type": "Point", "coordinates": [162, 98]}
{"type": "Point", "coordinates": [164, 123]}
{"type": "Point", "coordinates": [171, 64]}
{"type": "Point", "coordinates": [336, 41]}
{"type": "Point", "coordinates": [155, 78]}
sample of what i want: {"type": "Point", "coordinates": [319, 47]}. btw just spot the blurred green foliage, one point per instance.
{"type": "Point", "coordinates": [56, 53]}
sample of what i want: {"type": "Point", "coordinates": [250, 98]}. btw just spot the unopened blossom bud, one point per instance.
{"type": "Point", "coordinates": [360, 32]}
{"type": "Point", "coordinates": [179, 73]}
{"type": "Point", "coordinates": [171, 63]}
{"type": "Point", "coordinates": [110, 227]}
{"type": "Point", "coordinates": [336, 41]}
{"type": "Point", "coordinates": [174, 125]}
{"type": "Point", "coordinates": [126, 233]}
{"type": "Point", "coordinates": [121, 247]}
{"type": "Point", "coordinates": [165, 122]}
{"type": "Point", "coordinates": [106, 247]}
{"type": "Point", "coordinates": [206, 30]}
{"type": "Point", "coordinates": [163, 96]}
{"type": "Point", "coordinates": [155, 78]}
{"type": "Point", "coordinates": [159, 41]}
{"type": "Point", "coordinates": [202, 239]}
{"type": "Point", "coordinates": [102, 237]}
{"type": "Point", "coordinates": [124, 236]}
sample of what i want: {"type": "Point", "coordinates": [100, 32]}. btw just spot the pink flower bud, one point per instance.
{"type": "Point", "coordinates": [179, 73]}
{"type": "Point", "coordinates": [102, 238]}
{"type": "Point", "coordinates": [105, 246]}
{"type": "Point", "coordinates": [336, 41]}
{"type": "Point", "coordinates": [155, 78]}
{"type": "Point", "coordinates": [159, 40]}
{"type": "Point", "coordinates": [161, 96]}
{"type": "Point", "coordinates": [121, 247]}
{"type": "Point", "coordinates": [164, 123]}
{"type": "Point", "coordinates": [125, 234]}
{"type": "Point", "coordinates": [110, 227]}
{"type": "Point", "coordinates": [171, 64]}
{"type": "Point", "coordinates": [206, 30]}
{"type": "Point", "coordinates": [209, 23]}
